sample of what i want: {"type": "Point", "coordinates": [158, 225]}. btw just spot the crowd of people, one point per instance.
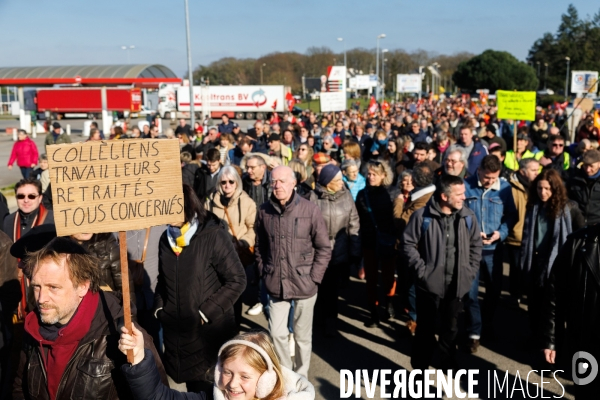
{"type": "Point", "coordinates": [424, 200]}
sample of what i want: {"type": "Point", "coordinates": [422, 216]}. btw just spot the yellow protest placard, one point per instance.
{"type": "Point", "coordinates": [516, 105]}
{"type": "Point", "coordinates": [117, 185]}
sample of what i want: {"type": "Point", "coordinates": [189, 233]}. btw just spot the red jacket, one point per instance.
{"type": "Point", "coordinates": [25, 152]}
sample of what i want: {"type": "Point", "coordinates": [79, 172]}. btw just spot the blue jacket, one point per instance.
{"type": "Point", "coordinates": [419, 137]}
{"type": "Point", "coordinates": [355, 186]}
{"type": "Point", "coordinates": [494, 208]}
{"type": "Point", "coordinates": [479, 151]}
{"type": "Point", "coordinates": [225, 128]}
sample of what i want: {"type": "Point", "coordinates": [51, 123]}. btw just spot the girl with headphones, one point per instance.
{"type": "Point", "coordinates": [247, 369]}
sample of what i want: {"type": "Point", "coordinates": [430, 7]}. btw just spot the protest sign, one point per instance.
{"type": "Point", "coordinates": [516, 105]}
{"type": "Point", "coordinates": [117, 185]}
{"type": "Point", "coordinates": [110, 186]}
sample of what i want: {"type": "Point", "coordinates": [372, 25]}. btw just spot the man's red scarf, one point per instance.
{"type": "Point", "coordinates": [39, 220]}
{"type": "Point", "coordinates": [56, 354]}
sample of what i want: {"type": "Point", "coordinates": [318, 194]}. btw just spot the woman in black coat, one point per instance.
{"type": "Point", "coordinates": [379, 207]}
{"type": "Point", "coordinates": [200, 278]}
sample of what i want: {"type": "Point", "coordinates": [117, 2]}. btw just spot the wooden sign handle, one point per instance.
{"type": "Point", "coordinates": [125, 286]}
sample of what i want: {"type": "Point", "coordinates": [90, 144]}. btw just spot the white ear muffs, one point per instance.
{"type": "Point", "coordinates": [268, 379]}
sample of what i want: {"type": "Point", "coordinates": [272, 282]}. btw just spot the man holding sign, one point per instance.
{"type": "Point", "coordinates": [70, 343]}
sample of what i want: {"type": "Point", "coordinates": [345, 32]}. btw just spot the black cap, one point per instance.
{"type": "Point", "coordinates": [235, 126]}
{"type": "Point", "coordinates": [44, 236]}
{"type": "Point", "coordinates": [522, 136]}
{"type": "Point", "coordinates": [273, 137]}
{"type": "Point", "coordinates": [55, 125]}
{"type": "Point", "coordinates": [33, 240]}
{"type": "Point", "coordinates": [491, 128]}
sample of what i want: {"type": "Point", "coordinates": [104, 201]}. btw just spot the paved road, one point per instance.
{"type": "Point", "coordinates": [386, 347]}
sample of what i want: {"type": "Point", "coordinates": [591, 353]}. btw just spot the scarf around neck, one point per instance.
{"type": "Point", "coordinates": [181, 237]}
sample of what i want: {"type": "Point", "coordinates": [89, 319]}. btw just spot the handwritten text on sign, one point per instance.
{"type": "Point", "coordinates": [516, 105]}
{"type": "Point", "coordinates": [110, 186]}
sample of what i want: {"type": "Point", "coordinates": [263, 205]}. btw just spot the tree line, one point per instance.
{"type": "Point", "coordinates": [287, 68]}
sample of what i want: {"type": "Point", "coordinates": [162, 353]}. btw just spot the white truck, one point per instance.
{"type": "Point", "coordinates": [238, 102]}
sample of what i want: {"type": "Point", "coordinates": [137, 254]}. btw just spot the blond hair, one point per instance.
{"type": "Point", "coordinates": [381, 167]}
{"type": "Point", "coordinates": [255, 360]}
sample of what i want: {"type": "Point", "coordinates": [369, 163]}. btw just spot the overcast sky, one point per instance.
{"type": "Point", "coordinates": [79, 32]}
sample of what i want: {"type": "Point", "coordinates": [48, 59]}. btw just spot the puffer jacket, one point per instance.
{"type": "Point", "coordinates": [25, 153]}
{"type": "Point", "coordinates": [93, 370]}
{"type": "Point", "coordinates": [206, 277]}
{"type": "Point", "coordinates": [342, 222]}
{"type": "Point", "coordinates": [292, 247]}
{"type": "Point", "coordinates": [242, 212]}
{"type": "Point", "coordinates": [105, 247]}
{"type": "Point", "coordinates": [387, 210]}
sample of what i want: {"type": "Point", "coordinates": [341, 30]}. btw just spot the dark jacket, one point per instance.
{"type": "Point", "coordinates": [4, 212]}
{"type": "Point", "coordinates": [425, 254]}
{"type": "Point", "coordinates": [569, 221]}
{"type": "Point", "coordinates": [10, 295]}
{"type": "Point", "coordinates": [145, 382]}
{"type": "Point", "coordinates": [104, 247]}
{"type": "Point", "coordinates": [341, 219]}
{"type": "Point", "coordinates": [188, 173]}
{"type": "Point", "coordinates": [292, 247]}
{"type": "Point", "coordinates": [266, 186]}
{"type": "Point", "coordinates": [207, 276]}
{"type": "Point", "coordinates": [573, 294]}
{"type": "Point", "coordinates": [204, 183]}
{"type": "Point", "coordinates": [26, 222]}
{"type": "Point", "coordinates": [387, 210]}
{"type": "Point", "coordinates": [586, 193]}
{"type": "Point", "coordinates": [94, 369]}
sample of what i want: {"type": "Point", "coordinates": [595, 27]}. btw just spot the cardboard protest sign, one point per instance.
{"type": "Point", "coordinates": [516, 105]}
{"type": "Point", "coordinates": [117, 185]}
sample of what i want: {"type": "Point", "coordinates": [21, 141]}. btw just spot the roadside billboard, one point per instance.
{"type": "Point", "coordinates": [408, 83]}
{"type": "Point", "coordinates": [334, 98]}
{"type": "Point", "coordinates": [584, 82]}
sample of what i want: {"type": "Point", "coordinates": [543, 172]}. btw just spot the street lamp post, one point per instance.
{"type": "Point", "coordinates": [567, 79]}
{"type": "Point", "coordinates": [261, 72]}
{"type": "Point", "coordinates": [383, 60]}
{"type": "Point", "coordinates": [128, 48]}
{"type": "Point", "coordinates": [382, 36]}
{"type": "Point", "coordinates": [545, 76]}
{"type": "Point", "coordinates": [342, 40]}
{"type": "Point", "coordinates": [189, 61]}
{"type": "Point", "coordinates": [421, 68]}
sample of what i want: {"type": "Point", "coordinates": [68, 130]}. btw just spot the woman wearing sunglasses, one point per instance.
{"type": "Point", "coordinates": [379, 207]}
{"type": "Point", "coordinates": [305, 154]}
{"type": "Point", "coordinates": [237, 212]}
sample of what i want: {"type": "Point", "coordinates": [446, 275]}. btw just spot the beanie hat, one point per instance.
{"type": "Point", "coordinates": [327, 174]}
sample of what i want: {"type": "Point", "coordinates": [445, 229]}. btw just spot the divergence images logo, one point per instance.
{"type": "Point", "coordinates": [585, 368]}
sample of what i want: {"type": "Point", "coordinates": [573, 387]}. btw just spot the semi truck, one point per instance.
{"type": "Point", "coordinates": [85, 102]}
{"type": "Point", "coordinates": [238, 102]}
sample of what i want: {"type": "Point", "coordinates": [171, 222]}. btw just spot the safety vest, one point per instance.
{"type": "Point", "coordinates": [566, 161]}
{"type": "Point", "coordinates": [511, 162]}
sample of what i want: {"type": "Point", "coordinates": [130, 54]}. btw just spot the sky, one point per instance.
{"type": "Point", "coordinates": [83, 32]}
